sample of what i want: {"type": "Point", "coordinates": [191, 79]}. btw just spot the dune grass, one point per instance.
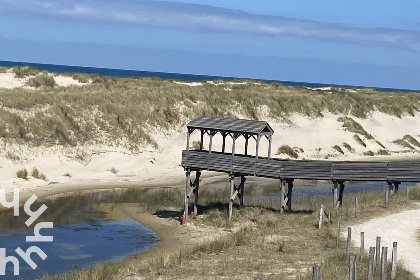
{"type": "Point", "coordinates": [121, 111]}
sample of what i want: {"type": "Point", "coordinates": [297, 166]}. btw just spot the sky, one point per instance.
{"type": "Point", "coordinates": [373, 43]}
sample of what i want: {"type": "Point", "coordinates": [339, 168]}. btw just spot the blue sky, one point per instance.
{"type": "Point", "coordinates": [368, 43]}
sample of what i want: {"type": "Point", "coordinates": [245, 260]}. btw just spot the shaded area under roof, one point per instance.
{"type": "Point", "coordinates": [231, 125]}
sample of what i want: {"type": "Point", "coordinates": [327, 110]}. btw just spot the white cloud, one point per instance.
{"type": "Point", "coordinates": [201, 18]}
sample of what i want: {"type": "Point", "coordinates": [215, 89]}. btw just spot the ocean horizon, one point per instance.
{"type": "Point", "coordinates": [122, 73]}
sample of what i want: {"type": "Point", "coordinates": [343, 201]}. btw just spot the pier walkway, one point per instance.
{"type": "Point", "coordinates": [242, 165]}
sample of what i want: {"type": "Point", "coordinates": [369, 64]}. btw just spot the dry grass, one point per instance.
{"type": "Point", "coordinates": [262, 243]}
{"type": "Point", "coordinates": [287, 150]}
{"type": "Point", "coordinates": [121, 111]}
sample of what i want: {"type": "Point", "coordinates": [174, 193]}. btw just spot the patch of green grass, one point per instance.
{"type": "Point", "coordinates": [383, 152]}
{"type": "Point", "coordinates": [348, 147]}
{"type": "Point", "coordinates": [338, 149]}
{"type": "Point", "coordinates": [24, 71]}
{"type": "Point", "coordinates": [359, 140]}
{"type": "Point", "coordinates": [403, 144]}
{"type": "Point", "coordinates": [42, 81]}
{"type": "Point", "coordinates": [410, 139]}
{"type": "Point", "coordinates": [22, 173]}
{"type": "Point", "coordinates": [287, 150]}
{"type": "Point", "coordinates": [353, 126]}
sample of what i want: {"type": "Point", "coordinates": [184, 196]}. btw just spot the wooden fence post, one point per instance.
{"type": "Point", "coordinates": [384, 263]}
{"type": "Point", "coordinates": [348, 241]}
{"type": "Point", "coordinates": [378, 250]}
{"type": "Point", "coordinates": [362, 244]}
{"type": "Point", "coordinates": [355, 207]}
{"type": "Point", "coordinates": [321, 216]}
{"type": "Point", "coordinates": [371, 262]}
{"type": "Point", "coordinates": [394, 260]}
{"type": "Point", "coordinates": [337, 235]}
{"type": "Point", "coordinates": [316, 273]}
{"type": "Point", "coordinates": [352, 267]}
{"type": "Point", "coordinates": [329, 223]}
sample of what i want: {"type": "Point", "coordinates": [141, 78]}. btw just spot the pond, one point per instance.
{"type": "Point", "coordinates": [86, 231]}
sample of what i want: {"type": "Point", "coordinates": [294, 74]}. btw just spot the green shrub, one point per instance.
{"type": "Point", "coordinates": [383, 152]}
{"type": "Point", "coordinates": [42, 80]}
{"type": "Point", "coordinates": [22, 173]}
{"type": "Point", "coordinates": [338, 149]}
{"type": "Point", "coordinates": [35, 173]}
{"type": "Point", "coordinates": [410, 139]}
{"type": "Point", "coordinates": [359, 141]}
{"type": "Point", "coordinates": [113, 170]}
{"type": "Point", "coordinates": [353, 126]}
{"type": "Point", "coordinates": [3, 69]}
{"type": "Point", "coordinates": [287, 150]}
{"type": "Point", "coordinates": [369, 153]}
{"type": "Point", "coordinates": [403, 144]}
{"type": "Point", "coordinates": [24, 71]}
{"type": "Point", "coordinates": [348, 147]}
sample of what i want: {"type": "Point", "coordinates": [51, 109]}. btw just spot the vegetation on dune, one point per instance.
{"type": "Point", "coordinates": [113, 111]}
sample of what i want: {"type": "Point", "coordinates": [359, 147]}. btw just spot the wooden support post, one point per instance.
{"type": "Point", "coordinates": [396, 186]}
{"type": "Point", "coordinates": [282, 195]}
{"type": "Point", "coordinates": [187, 187]}
{"type": "Point", "coordinates": [289, 195]}
{"type": "Point", "coordinates": [394, 261]}
{"type": "Point", "coordinates": [335, 193]}
{"type": "Point", "coordinates": [269, 147]}
{"type": "Point", "coordinates": [352, 266]}
{"type": "Point", "coordinates": [329, 223]}
{"type": "Point", "coordinates": [384, 263]}
{"type": "Point", "coordinates": [241, 191]}
{"type": "Point", "coordinates": [386, 198]}
{"type": "Point", "coordinates": [256, 154]}
{"type": "Point", "coordinates": [390, 187]}
{"type": "Point", "coordinates": [378, 250]}
{"type": "Point", "coordinates": [188, 141]}
{"type": "Point", "coordinates": [348, 247]}
{"type": "Point", "coordinates": [232, 186]}
{"type": "Point", "coordinates": [356, 205]}
{"type": "Point", "coordinates": [321, 216]}
{"type": "Point", "coordinates": [362, 245]}
{"type": "Point", "coordinates": [201, 140]}
{"type": "Point", "coordinates": [246, 144]}
{"type": "Point", "coordinates": [233, 151]}
{"type": "Point", "coordinates": [224, 142]}
{"type": "Point", "coordinates": [197, 184]}
{"type": "Point", "coordinates": [316, 273]}
{"type": "Point", "coordinates": [371, 263]}
{"type": "Point", "coordinates": [340, 194]}
{"type": "Point", "coordinates": [337, 234]}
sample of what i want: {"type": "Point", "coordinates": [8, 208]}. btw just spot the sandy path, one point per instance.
{"type": "Point", "coordinates": [401, 227]}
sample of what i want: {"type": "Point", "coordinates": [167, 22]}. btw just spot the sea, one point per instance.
{"type": "Point", "coordinates": [171, 76]}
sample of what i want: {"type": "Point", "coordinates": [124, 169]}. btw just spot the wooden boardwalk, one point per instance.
{"type": "Point", "coordinates": [242, 165]}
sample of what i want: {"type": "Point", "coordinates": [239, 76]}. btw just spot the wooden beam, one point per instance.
{"type": "Point", "coordinates": [201, 140]}
{"type": "Point", "coordinates": [340, 194]}
{"type": "Point", "coordinates": [335, 193]}
{"type": "Point", "coordinates": [232, 186]}
{"type": "Point", "coordinates": [282, 195]}
{"type": "Point", "coordinates": [246, 144]}
{"type": "Point", "coordinates": [269, 147]}
{"type": "Point", "coordinates": [224, 141]}
{"type": "Point", "coordinates": [187, 187]}
{"type": "Point", "coordinates": [197, 184]}
{"type": "Point", "coordinates": [233, 151]}
{"type": "Point", "coordinates": [242, 187]}
{"type": "Point", "coordinates": [289, 195]}
{"type": "Point", "coordinates": [256, 155]}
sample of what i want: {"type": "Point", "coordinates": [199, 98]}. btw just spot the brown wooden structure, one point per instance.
{"type": "Point", "coordinates": [242, 165]}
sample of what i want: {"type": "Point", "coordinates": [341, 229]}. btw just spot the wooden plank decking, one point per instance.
{"type": "Point", "coordinates": [396, 171]}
